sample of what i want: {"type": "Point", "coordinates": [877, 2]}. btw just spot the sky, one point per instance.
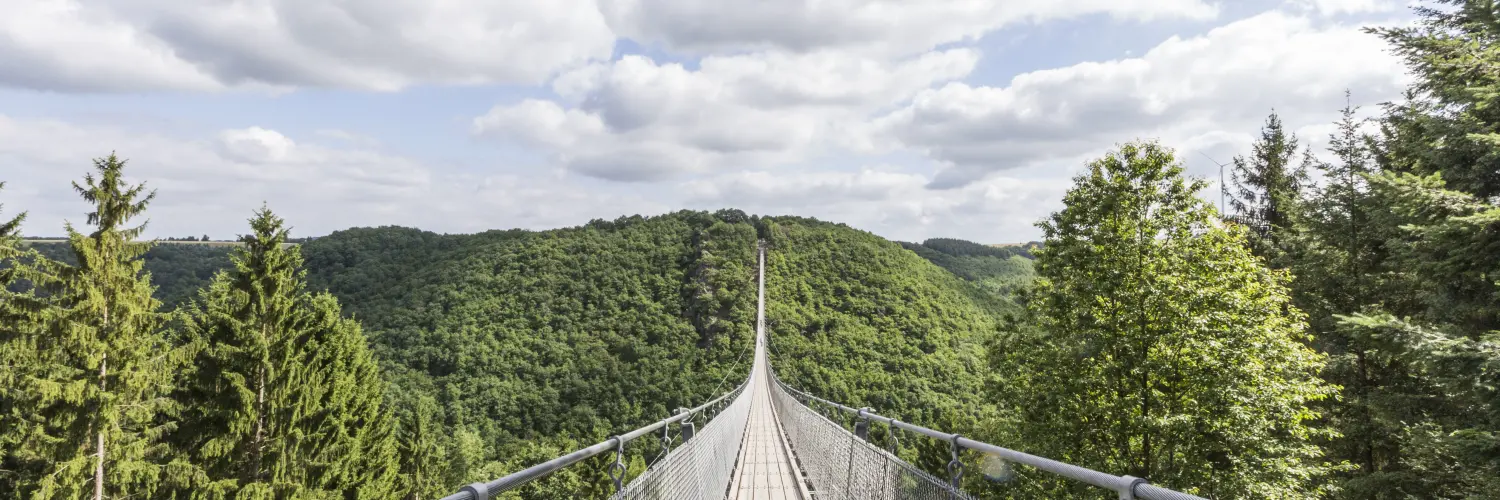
{"type": "Point", "coordinates": [909, 119]}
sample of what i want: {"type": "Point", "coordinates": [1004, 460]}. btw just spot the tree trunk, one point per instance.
{"type": "Point", "coordinates": [99, 466]}
{"type": "Point", "coordinates": [260, 422]}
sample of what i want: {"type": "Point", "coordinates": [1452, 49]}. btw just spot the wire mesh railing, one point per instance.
{"type": "Point", "coordinates": [702, 466]}
{"type": "Point", "coordinates": [839, 464]}
{"type": "Point", "coordinates": [822, 434]}
{"type": "Point", "coordinates": [724, 406]}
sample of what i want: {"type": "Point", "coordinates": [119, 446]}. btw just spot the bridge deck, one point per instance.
{"type": "Point", "coordinates": [765, 470]}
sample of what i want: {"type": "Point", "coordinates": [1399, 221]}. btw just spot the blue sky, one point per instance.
{"type": "Point", "coordinates": [908, 119]}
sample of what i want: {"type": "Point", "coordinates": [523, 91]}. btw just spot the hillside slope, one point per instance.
{"type": "Point", "coordinates": [177, 270]}
{"type": "Point", "coordinates": [525, 345]}
{"type": "Point", "coordinates": [858, 319]}
{"type": "Point", "coordinates": [998, 272]}
{"type": "Point", "coordinates": [538, 339]}
{"type": "Point", "coordinates": [535, 341]}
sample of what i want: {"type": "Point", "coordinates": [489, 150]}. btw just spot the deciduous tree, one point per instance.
{"type": "Point", "coordinates": [1156, 345]}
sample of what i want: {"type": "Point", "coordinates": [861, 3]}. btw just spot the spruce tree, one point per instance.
{"type": "Point", "coordinates": [1267, 189]}
{"type": "Point", "coordinates": [288, 394]}
{"type": "Point", "coordinates": [13, 323]}
{"type": "Point", "coordinates": [1155, 345]}
{"type": "Point", "coordinates": [421, 447]}
{"type": "Point", "coordinates": [95, 375]}
{"type": "Point", "coordinates": [1449, 122]}
{"type": "Point", "coordinates": [9, 229]}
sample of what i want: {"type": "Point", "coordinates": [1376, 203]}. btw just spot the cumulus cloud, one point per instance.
{"type": "Point", "coordinates": [63, 45]}
{"type": "Point", "coordinates": [125, 45]}
{"type": "Point", "coordinates": [1226, 79]}
{"type": "Point", "coordinates": [888, 201]}
{"type": "Point", "coordinates": [216, 181]}
{"type": "Point", "coordinates": [1337, 7]}
{"type": "Point", "coordinates": [787, 99]}
{"type": "Point", "coordinates": [255, 145]}
{"type": "Point", "coordinates": [863, 26]}
{"type": "Point", "coordinates": [635, 119]}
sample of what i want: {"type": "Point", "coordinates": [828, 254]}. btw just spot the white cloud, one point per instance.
{"type": "Point", "coordinates": [889, 202]}
{"type": "Point", "coordinates": [1338, 7]}
{"type": "Point", "coordinates": [863, 26]}
{"type": "Point", "coordinates": [63, 45]}
{"type": "Point", "coordinates": [787, 97]}
{"type": "Point", "coordinates": [216, 182]}
{"type": "Point", "coordinates": [635, 119]}
{"type": "Point", "coordinates": [255, 145]}
{"type": "Point", "coordinates": [1225, 80]}
{"type": "Point", "coordinates": [124, 45]}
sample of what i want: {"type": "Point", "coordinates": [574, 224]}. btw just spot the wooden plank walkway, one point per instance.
{"type": "Point", "coordinates": [765, 470]}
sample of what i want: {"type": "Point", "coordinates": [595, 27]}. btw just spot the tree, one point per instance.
{"type": "Point", "coordinates": [1155, 345]}
{"type": "Point", "coordinates": [11, 228]}
{"type": "Point", "coordinates": [1450, 119]}
{"type": "Point", "coordinates": [1437, 400]}
{"type": "Point", "coordinates": [94, 374]}
{"type": "Point", "coordinates": [421, 449]}
{"type": "Point", "coordinates": [1267, 189]}
{"type": "Point", "coordinates": [14, 324]}
{"type": "Point", "coordinates": [288, 397]}
{"type": "Point", "coordinates": [1343, 267]}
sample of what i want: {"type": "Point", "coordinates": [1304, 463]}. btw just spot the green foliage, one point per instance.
{"type": "Point", "coordinates": [1267, 191]}
{"type": "Point", "coordinates": [177, 271]}
{"type": "Point", "coordinates": [1000, 273]}
{"type": "Point", "coordinates": [1157, 346]}
{"type": "Point", "coordinates": [1450, 121]}
{"type": "Point", "coordinates": [856, 319]}
{"type": "Point", "coordinates": [1443, 388]}
{"type": "Point", "coordinates": [91, 371]}
{"type": "Point", "coordinates": [420, 449]}
{"type": "Point", "coordinates": [288, 399]}
{"type": "Point", "coordinates": [1343, 265]}
{"type": "Point", "coordinates": [9, 229]}
{"type": "Point", "coordinates": [574, 334]}
{"type": "Point", "coordinates": [1419, 390]}
{"type": "Point", "coordinates": [1398, 269]}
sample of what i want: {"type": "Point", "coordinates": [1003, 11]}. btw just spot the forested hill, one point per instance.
{"type": "Point", "coordinates": [999, 272]}
{"type": "Point", "coordinates": [525, 344]}
{"type": "Point", "coordinates": [504, 349]}
{"type": "Point", "coordinates": [177, 271]}
{"type": "Point", "coordinates": [857, 318]}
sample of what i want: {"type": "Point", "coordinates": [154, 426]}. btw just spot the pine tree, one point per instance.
{"type": "Point", "coordinates": [288, 395]}
{"type": "Point", "coordinates": [1155, 345]}
{"type": "Point", "coordinates": [95, 373]}
{"type": "Point", "coordinates": [420, 446]}
{"type": "Point", "coordinates": [1267, 189]}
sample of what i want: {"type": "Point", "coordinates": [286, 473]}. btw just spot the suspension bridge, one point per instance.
{"type": "Point", "coordinates": [764, 440]}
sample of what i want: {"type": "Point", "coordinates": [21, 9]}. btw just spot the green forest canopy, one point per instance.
{"type": "Point", "coordinates": [553, 339]}
{"type": "Point", "coordinates": [1335, 339]}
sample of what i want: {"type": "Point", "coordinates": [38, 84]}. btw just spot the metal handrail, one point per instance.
{"type": "Point", "coordinates": [486, 490]}
{"type": "Point", "coordinates": [1127, 487]}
